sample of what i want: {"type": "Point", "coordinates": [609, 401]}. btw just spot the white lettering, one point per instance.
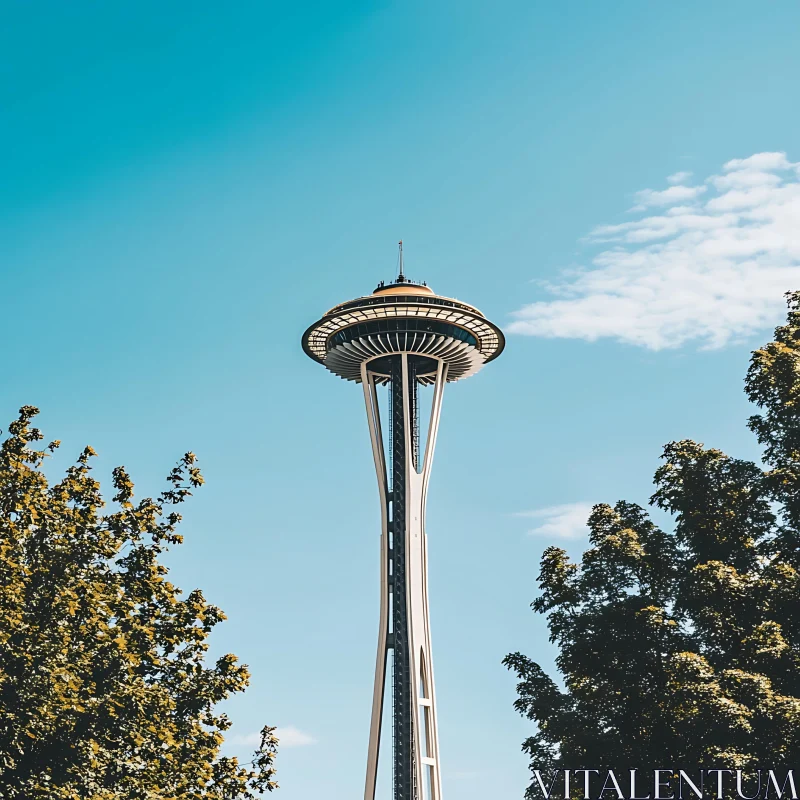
{"type": "Point", "coordinates": [545, 792]}
{"type": "Point", "coordinates": [779, 791]}
{"type": "Point", "coordinates": [613, 777]}
{"type": "Point", "coordinates": [682, 776]}
{"type": "Point", "coordinates": [633, 788]}
{"type": "Point", "coordinates": [659, 784]}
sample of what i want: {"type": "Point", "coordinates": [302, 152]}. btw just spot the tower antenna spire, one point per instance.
{"type": "Point", "coordinates": [401, 277]}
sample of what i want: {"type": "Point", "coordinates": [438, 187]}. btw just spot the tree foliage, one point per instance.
{"type": "Point", "coordinates": [104, 689]}
{"type": "Point", "coordinates": [683, 647]}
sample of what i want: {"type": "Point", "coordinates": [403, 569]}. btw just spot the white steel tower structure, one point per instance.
{"type": "Point", "coordinates": [404, 336]}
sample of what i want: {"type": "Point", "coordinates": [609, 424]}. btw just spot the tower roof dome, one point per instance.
{"type": "Point", "coordinates": [405, 287]}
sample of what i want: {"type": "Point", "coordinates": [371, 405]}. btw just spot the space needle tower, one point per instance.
{"type": "Point", "coordinates": [403, 337]}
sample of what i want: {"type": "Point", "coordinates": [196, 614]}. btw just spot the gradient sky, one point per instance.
{"type": "Point", "coordinates": [187, 186]}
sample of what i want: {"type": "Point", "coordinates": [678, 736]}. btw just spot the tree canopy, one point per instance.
{"type": "Point", "coordinates": [682, 647]}
{"type": "Point", "coordinates": [104, 689]}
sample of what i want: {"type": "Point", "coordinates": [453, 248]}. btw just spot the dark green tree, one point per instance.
{"type": "Point", "coordinates": [683, 647]}
{"type": "Point", "coordinates": [104, 689]}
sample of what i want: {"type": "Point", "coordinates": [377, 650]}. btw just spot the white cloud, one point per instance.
{"type": "Point", "coordinates": [648, 198]}
{"type": "Point", "coordinates": [243, 739]}
{"type": "Point", "coordinates": [293, 737]}
{"type": "Point", "coordinates": [287, 737]}
{"type": "Point", "coordinates": [759, 161]}
{"type": "Point", "coordinates": [566, 521]}
{"type": "Point", "coordinates": [709, 272]}
{"type": "Point", "coordinates": [679, 177]}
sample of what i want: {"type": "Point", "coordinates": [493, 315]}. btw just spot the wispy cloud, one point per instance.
{"type": "Point", "coordinates": [294, 737]}
{"type": "Point", "coordinates": [566, 521]}
{"type": "Point", "coordinates": [287, 737]}
{"type": "Point", "coordinates": [711, 266]}
{"type": "Point", "coordinates": [679, 177]}
{"type": "Point", "coordinates": [673, 196]}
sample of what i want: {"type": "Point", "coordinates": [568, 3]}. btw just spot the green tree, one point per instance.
{"type": "Point", "coordinates": [683, 647]}
{"type": "Point", "coordinates": [104, 689]}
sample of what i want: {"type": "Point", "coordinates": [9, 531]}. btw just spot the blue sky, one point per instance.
{"type": "Point", "coordinates": [185, 187]}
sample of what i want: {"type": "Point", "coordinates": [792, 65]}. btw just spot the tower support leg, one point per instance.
{"type": "Point", "coordinates": [404, 621]}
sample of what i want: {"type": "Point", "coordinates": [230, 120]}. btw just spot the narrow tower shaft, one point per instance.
{"type": "Point", "coordinates": [402, 395]}
{"type": "Point", "coordinates": [405, 602]}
